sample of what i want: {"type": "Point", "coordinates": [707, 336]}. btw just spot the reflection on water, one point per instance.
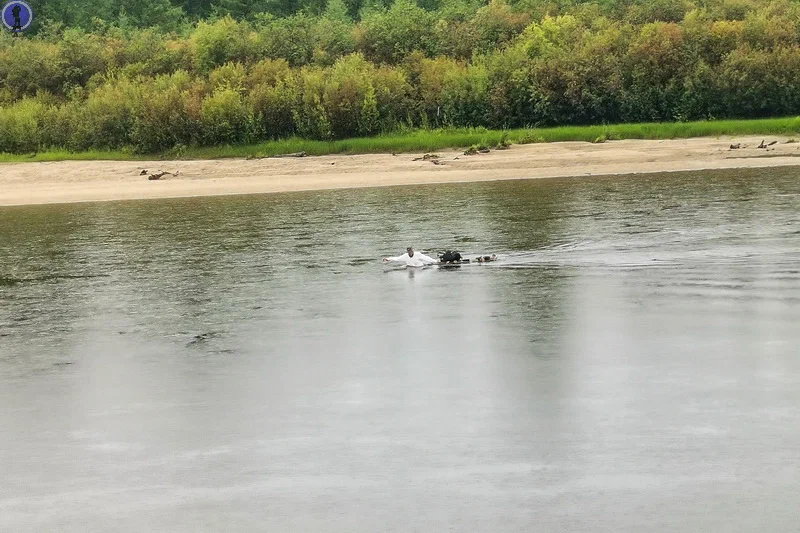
{"type": "Point", "coordinates": [247, 363]}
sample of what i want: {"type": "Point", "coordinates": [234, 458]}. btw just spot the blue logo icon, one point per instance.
{"type": "Point", "coordinates": [17, 16]}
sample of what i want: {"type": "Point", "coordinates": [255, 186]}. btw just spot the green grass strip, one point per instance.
{"type": "Point", "coordinates": [430, 140]}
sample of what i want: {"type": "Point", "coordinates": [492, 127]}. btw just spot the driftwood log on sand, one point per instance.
{"type": "Point", "coordinates": [161, 173]}
{"type": "Point", "coordinates": [295, 154]}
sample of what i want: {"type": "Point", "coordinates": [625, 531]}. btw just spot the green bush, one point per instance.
{"type": "Point", "coordinates": [760, 83]}
{"type": "Point", "coordinates": [391, 35]}
{"type": "Point", "coordinates": [272, 95]}
{"type": "Point", "coordinates": [30, 66]}
{"type": "Point", "coordinates": [229, 75]}
{"type": "Point", "coordinates": [105, 119]}
{"type": "Point", "coordinates": [162, 120]}
{"type": "Point", "coordinates": [393, 95]}
{"type": "Point", "coordinates": [226, 118]}
{"type": "Point", "coordinates": [310, 114]}
{"type": "Point", "coordinates": [216, 43]}
{"type": "Point", "coordinates": [496, 25]}
{"type": "Point", "coordinates": [81, 56]}
{"type": "Point", "coordinates": [19, 126]}
{"type": "Point", "coordinates": [349, 97]}
{"type": "Point", "coordinates": [333, 34]}
{"type": "Point", "coordinates": [292, 39]}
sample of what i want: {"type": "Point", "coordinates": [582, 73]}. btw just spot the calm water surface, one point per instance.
{"type": "Point", "coordinates": [248, 364]}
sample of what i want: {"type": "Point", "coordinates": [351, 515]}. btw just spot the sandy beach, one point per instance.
{"type": "Point", "coordinates": [85, 181]}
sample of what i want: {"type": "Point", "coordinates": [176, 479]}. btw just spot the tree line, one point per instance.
{"type": "Point", "coordinates": [156, 75]}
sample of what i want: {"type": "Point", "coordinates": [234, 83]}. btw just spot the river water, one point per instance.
{"type": "Point", "coordinates": [631, 363]}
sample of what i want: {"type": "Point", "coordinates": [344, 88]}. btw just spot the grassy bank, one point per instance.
{"type": "Point", "coordinates": [430, 140]}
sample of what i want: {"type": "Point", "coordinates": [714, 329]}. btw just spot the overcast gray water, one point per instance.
{"type": "Point", "coordinates": [243, 364]}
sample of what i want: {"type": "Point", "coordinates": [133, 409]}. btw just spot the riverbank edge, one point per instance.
{"type": "Point", "coordinates": [421, 140]}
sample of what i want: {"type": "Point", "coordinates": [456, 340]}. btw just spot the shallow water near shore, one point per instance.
{"type": "Point", "coordinates": [631, 363]}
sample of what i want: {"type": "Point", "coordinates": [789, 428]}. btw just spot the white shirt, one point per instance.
{"type": "Point", "coordinates": [417, 261]}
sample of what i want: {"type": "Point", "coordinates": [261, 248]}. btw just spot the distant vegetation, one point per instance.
{"type": "Point", "coordinates": [161, 76]}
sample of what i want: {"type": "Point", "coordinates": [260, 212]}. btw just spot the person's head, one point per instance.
{"type": "Point", "coordinates": [410, 251]}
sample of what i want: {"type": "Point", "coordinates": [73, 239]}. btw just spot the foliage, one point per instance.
{"type": "Point", "coordinates": [152, 75]}
{"type": "Point", "coordinates": [389, 35]}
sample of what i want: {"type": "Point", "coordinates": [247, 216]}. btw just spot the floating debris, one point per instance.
{"type": "Point", "coordinates": [203, 337]}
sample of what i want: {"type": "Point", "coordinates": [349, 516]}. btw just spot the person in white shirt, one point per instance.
{"type": "Point", "coordinates": [412, 259]}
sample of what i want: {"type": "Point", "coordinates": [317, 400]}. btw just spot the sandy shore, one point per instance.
{"type": "Point", "coordinates": [82, 181]}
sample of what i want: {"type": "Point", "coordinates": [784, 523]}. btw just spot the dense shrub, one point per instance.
{"type": "Point", "coordinates": [272, 96]}
{"type": "Point", "coordinates": [390, 35]}
{"type": "Point", "coordinates": [290, 38]}
{"type": "Point", "coordinates": [216, 43]}
{"type": "Point", "coordinates": [28, 66]}
{"type": "Point", "coordinates": [105, 118]}
{"type": "Point", "coordinates": [162, 120]}
{"type": "Point", "coordinates": [226, 117]}
{"type": "Point", "coordinates": [19, 126]}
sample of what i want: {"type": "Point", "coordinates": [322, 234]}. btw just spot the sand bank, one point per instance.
{"type": "Point", "coordinates": [83, 181]}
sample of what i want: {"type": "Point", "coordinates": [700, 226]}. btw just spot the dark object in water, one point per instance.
{"type": "Point", "coordinates": [736, 146]}
{"type": "Point", "coordinates": [486, 258]}
{"type": "Point", "coordinates": [143, 172]}
{"type": "Point", "coordinates": [762, 145]}
{"type": "Point", "coordinates": [202, 337]}
{"type": "Point", "coordinates": [773, 142]}
{"type": "Point", "coordinates": [450, 257]}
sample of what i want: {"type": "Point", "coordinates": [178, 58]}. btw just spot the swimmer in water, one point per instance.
{"type": "Point", "coordinates": [411, 258]}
